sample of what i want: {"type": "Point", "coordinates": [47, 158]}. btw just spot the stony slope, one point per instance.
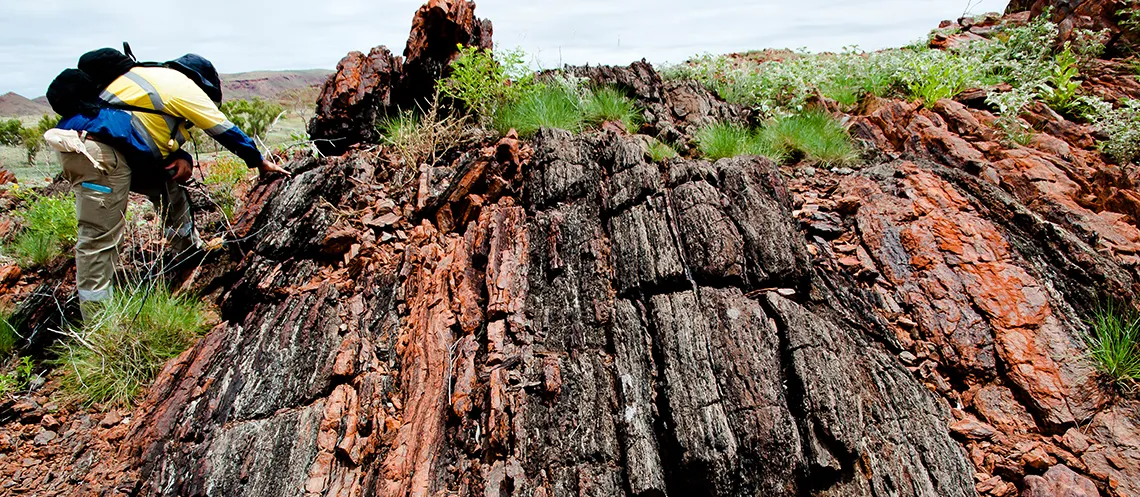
{"type": "Point", "coordinates": [564, 317]}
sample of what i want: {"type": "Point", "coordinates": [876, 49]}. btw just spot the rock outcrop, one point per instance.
{"type": "Point", "coordinates": [366, 88]}
{"type": "Point", "coordinates": [621, 328]}
{"type": "Point", "coordinates": [563, 317]}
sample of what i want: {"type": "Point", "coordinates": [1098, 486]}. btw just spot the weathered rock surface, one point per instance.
{"type": "Point", "coordinates": [563, 317]}
{"type": "Point", "coordinates": [673, 110]}
{"type": "Point", "coordinates": [583, 339]}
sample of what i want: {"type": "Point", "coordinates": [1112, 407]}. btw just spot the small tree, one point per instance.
{"type": "Point", "coordinates": [302, 101]}
{"type": "Point", "coordinates": [32, 137]}
{"type": "Point", "coordinates": [10, 132]}
{"type": "Point", "coordinates": [255, 117]}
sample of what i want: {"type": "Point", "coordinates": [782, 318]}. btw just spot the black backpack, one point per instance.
{"type": "Point", "coordinates": [76, 91]}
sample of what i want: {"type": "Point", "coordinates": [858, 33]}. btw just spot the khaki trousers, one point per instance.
{"type": "Point", "coordinates": [102, 190]}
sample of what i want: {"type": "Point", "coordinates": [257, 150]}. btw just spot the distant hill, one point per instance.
{"type": "Point", "coordinates": [269, 85]}
{"type": "Point", "coordinates": [13, 104]}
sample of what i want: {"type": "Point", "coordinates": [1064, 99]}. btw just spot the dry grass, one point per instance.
{"type": "Point", "coordinates": [415, 138]}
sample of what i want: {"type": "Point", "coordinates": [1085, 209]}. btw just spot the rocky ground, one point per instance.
{"type": "Point", "coordinates": [563, 316]}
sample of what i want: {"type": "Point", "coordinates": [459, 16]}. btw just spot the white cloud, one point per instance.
{"type": "Point", "coordinates": [40, 38]}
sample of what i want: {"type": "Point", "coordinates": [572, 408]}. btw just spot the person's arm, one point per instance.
{"type": "Point", "coordinates": [196, 107]}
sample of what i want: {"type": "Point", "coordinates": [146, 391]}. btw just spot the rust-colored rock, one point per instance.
{"type": "Point", "coordinates": [955, 270]}
{"type": "Point", "coordinates": [352, 99]}
{"type": "Point", "coordinates": [368, 87]}
{"type": "Point", "coordinates": [437, 28]}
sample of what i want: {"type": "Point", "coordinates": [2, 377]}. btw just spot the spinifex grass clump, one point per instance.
{"type": "Point", "coordinates": [546, 106]}
{"type": "Point", "coordinates": [420, 136]}
{"type": "Point", "coordinates": [814, 134]}
{"type": "Point", "coordinates": [721, 140]}
{"type": "Point", "coordinates": [48, 227]}
{"type": "Point", "coordinates": [1114, 343]}
{"type": "Point", "coordinates": [659, 151]}
{"type": "Point", "coordinates": [121, 348]}
{"type": "Point", "coordinates": [610, 104]}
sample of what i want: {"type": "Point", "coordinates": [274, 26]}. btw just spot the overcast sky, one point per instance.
{"type": "Point", "coordinates": [39, 38]}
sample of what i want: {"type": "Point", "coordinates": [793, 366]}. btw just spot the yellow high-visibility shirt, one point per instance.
{"type": "Point", "coordinates": [180, 101]}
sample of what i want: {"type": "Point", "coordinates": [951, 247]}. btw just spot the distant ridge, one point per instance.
{"type": "Point", "coordinates": [269, 85]}
{"type": "Point", "coordinates": [13, 104]}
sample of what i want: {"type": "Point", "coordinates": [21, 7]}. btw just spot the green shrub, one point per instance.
{"type": "Point", "coordinates": [32, 137]}
{"type": "Point", "coordinates": [17, 379]}
{"type": "Point", "coordinates": [221, 178]}
{"type": "Point", "coordinates": [1122, 127]}
{"type": "Point", "coordinates": [484, 81]}
{"type": "Point", "coordinates": [1063, 84]}
{"type": "Point", "coordinates": [932, 75]}
{"type": "Point", "coordinates": [610, 104]}
{"type": "Point", "coordinates": [1010, 105]}
{"type": "Point", "coordinates": [120, 349]}
{"type": "Point", "coordinates": [659, 151]}
{"type": "Point", "coordinates": [1114, 343]}
{"type": "Point", "coordinates": [10, 132]}
{"type": "Point", "coordinates": [546, 106]}
{"type": "Point", "coordinates": [48, 227]}
{"type": "Point", "coordinates": [815, 134]}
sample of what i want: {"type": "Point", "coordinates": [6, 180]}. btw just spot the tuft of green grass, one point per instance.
{"type": "Point", "coordinates": [610, 104]}
{"type": "Point", "coordinates": [48, 227]}
{"type": "Point", "coordinates": [815, 134]}
{"type": "Point", "coordinates": [659, 151]}
{"type": "Point", "coordinates": [1114, 343]}
{"type": "Point", "coordinates": [119, 350]}
{"type": "Point", "coordinates": [720, 140]}
{"type": "Point", "coordinates": [547, 106]}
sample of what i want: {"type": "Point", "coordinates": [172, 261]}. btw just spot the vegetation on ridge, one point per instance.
{"type": "Point", "coordinates": [120, 349]}
{"type": "Point", "coordinates": [1114, 343]}
{"type": "Point", "coordinates": [48, 229]}
{"type": "Point", "coordinates": [500, 91]}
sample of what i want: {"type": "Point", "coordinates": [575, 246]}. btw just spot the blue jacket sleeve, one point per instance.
{"type": "Point", "coordinates": [236, 141]}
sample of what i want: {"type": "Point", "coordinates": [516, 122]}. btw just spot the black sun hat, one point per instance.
{"type": "Point", "coordinates": [201, 72]}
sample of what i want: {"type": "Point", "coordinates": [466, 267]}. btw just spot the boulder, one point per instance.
{"type": "Point", "coordinates": [1059, 481]}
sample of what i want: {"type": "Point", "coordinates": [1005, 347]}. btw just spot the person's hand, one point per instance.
{"type": "Point", "coordinates": [180, 170]}
{"type": "Point", "coordinates": [267, 167]}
